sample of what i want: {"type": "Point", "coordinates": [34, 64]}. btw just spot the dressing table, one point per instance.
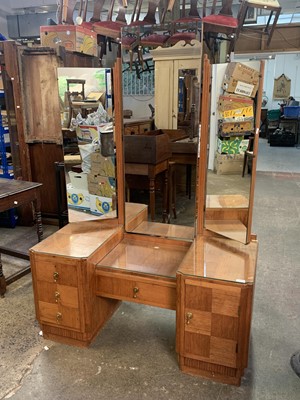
{"type": "Point", "coordinates": [82, 272]}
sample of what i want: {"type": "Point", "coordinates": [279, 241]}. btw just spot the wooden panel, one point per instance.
{"type": "Point", "coordinates": [223, 326]}
{"type": "Point", "coordinates": [42, 112]}
{"type": "Point", "coordinates": [197, 344]}
{"type": "Point", "coordinates": [223, 351]}
{"type": "Point", "coordinates": [42, 158]}
{"type": "Point", "coordinates": [200, 322]}
{"type": "Point", "coordinates": [163, 101]}
{"type": "Point", "coordinates": [198, 299]}
{"type": "Point", "coordinates": [226, 302]}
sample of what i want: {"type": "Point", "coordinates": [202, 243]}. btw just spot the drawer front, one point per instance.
{"type": "Point", "coordinates": [131, 130]}
{"type": "Point", "coordinates": [58, 315]}
{"type": "Point", "coordinates": [144, 128]}
{"type": "Point", "coordinates": [67, 296]}
{"type": "Point", "coordinates": [152, 292]}
{"type": "Point", "coordinates": [57, 272]}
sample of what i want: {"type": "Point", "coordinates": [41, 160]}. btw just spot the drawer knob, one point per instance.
{"type": "Point", "coordinates": [135, 292]}
{"type": "Point", "coordinates": [55, 276]}
{"type": "Point", "coordinates": [189, 316]}
{"type": "Point", "coordinates": [58, 317]}
{"type": "Point", "coordinates": [57, 296]}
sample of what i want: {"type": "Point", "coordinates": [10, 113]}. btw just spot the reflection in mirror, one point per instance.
{"type": "Point", "coordinates": [232, 133]}
{"type": "Point", "coordinates": [89, 149]}
{"type": "Point", "coordinates": [161, 148]}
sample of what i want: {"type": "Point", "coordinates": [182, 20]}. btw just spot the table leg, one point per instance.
{"type": "Point", "coordinates": [2, 280]}
{"type": "Point", "coordinates": [165, 198]}
{"type": "Point", "coordinates": [152, 197]}
{"type": "Point", "coordinates": [38, 218]}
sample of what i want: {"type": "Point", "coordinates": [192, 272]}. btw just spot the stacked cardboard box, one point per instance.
{"type": "Point", "coordinates": [102, 184]}
{"type": "Point", "coordinates": [236, 117]}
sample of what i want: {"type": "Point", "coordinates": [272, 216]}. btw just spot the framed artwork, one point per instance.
{"type": "Point", "coordinates": [251, 16]}
{"type": "Point", "coordinates": [282, 87]}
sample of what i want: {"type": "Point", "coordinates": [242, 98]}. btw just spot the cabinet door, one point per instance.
{"type": "Point", "coordinates": [164, 88]}
{"type": "Point", "coordinates": [210, 321]}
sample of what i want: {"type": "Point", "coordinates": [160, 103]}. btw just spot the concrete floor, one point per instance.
{"type": "Point", "coordinates": [134, 356]}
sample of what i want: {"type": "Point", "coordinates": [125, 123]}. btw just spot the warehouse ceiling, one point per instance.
{"type": "Point", "coordinates": [42, 6]}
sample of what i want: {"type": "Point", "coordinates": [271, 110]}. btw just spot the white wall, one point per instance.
{"type": "Point", "coordinates": [288, 64]}
{"type": "Point", "coordinates": [138, 105]}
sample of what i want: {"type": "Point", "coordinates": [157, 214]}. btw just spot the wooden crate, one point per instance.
{"type": "Point", "coordinates": [150, 148]}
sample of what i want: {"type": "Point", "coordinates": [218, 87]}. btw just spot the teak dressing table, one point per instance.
{"type": "Point", "coordinates": [82, 272]}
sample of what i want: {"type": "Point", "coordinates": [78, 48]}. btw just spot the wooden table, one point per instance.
{"type": "Point", "coordinates": [152, 170]}
{"type": "Point", "coordinates": [15, 193]}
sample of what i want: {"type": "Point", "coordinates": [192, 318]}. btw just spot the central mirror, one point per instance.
{"type": "Point", "coordinates": [161, 102]}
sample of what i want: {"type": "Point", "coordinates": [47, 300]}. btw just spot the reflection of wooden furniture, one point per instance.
{"type": "Point", "coordinates": [137, 126]}
{"type": "Point", "coordinates": [82, 272]}
{"type": "Point", "coordinates": [151, 171]}
{"type": "Point", "coordinates": [272, 6]}
{"type": "Point", "coordinates": [168, 64]}
{"type": "Point", "coordinates": [15, 193]}
{"type": "Point", "coordinates": [222, 22]}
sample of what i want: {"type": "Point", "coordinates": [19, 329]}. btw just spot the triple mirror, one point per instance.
{"type": "Point", "coordinates": [161, 149]}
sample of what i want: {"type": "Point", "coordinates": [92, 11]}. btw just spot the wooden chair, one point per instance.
{"type": "Point", "coordinates": [272, 6]}
{"type": "Point", "coordinates": [134, 41]}
{"type": "Point", "coordinates": [110, 30]}
{"type": "Point", "coordinates": [185, 27]}
{"type": "Point", "coordinates": [222, 23]}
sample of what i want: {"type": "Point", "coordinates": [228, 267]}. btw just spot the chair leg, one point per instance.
{"type": "Point", "coordinates": [245, 163]}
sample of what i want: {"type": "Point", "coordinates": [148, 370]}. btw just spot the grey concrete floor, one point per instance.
{"type": "Point", "coordinates": [134, 357]}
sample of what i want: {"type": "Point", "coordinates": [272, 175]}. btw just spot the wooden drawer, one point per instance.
{"type": "Point", "coordinates": [52, 270]}
{"type": "Point", "coordinates": [155, 292]}
{"type": "Point", "coordinates": [144, 127]}
{"type": "Point", "coordinates": [59, 315]}
{"type": "Point", "coordinates": [131, 130]}
{"type": "Point", "coordinates": [66, 296]}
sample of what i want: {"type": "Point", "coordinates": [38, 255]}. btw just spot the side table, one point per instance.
{"type": "Point", "coordinates": [15, 193]}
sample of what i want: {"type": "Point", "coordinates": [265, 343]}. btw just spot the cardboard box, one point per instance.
{"type": "Point", "coordinates": [78, 198]}
{"type": "Point", "coordinates": [150, 148]}
{"type": "Point", "coordinates": [229, 164]}
{"type": "Point", "coordinates": [101, 205]}
{"type": "Point", "coordinates": [79, 180]}
{"type": "Point", "coordinates": [232, 146]}
{"type": "Point", "coordinates": [241, 79]}
{"type": "Point", "coordinates": [235, 128]}
{"type": "Point", "coordinates": [101, 185]}
{"type": "Point", "coordinates": [104, 166]}
{"type": "Point", "coordinates": [235, 109]}
{"type": "Point", "coordinates": [72, 37]}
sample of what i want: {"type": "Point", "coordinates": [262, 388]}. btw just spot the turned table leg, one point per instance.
{"type": "Point", "coordinates": [2, 280]}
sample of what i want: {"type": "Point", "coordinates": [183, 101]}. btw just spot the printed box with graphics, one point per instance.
{"type": "Point", "coordinates": [78, 198]}
{"type": "Point", "coordinates": [100, 205]}
{"type": "Point", "coordinates": [73, 38]}
{"type": "Point", "coordinates": [241, 79]}
{"type": "Point", "coordinates": [235, 109]}
{"type": "Point", "coordinates": [232, 146]}
{"type": "Point", "coordinates": [235, 128]}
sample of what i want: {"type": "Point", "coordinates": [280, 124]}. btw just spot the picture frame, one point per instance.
{"type": "Point", "coordinates": [251, 16]}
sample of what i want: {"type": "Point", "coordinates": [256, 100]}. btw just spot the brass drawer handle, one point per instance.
{"type": "Point", "coordinates": [189, 316]}
{"type": "Point", "coordinates": [57, 296]}
{"type": "Point", "coordinates": [55, 276]}
{"type": "Point", "coordinates": [58, 317]}
{"type": "Point", "coordinates": [135, 292]}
